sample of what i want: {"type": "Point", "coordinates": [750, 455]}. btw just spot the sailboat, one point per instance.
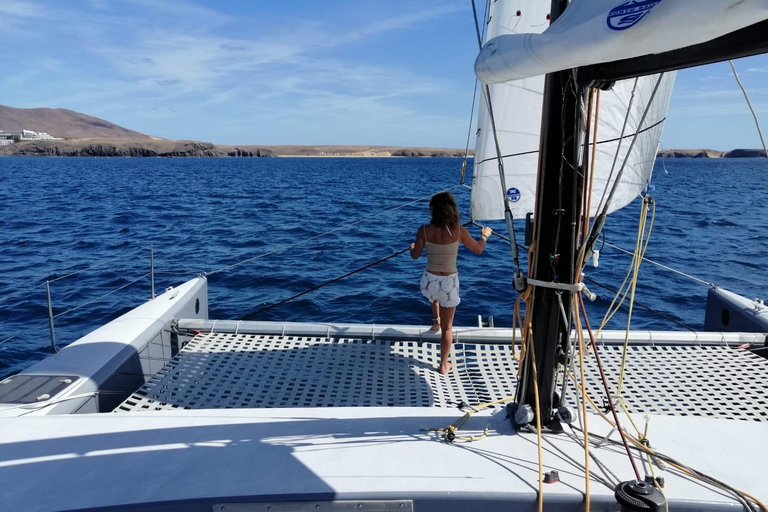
{"type": "Point", "coordinates": [167, 409]}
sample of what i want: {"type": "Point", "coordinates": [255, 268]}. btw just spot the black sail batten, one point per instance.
{"type": "Point", "coordinates": [606, 141]}
{"type": "Point", "coordinates": [749, 41]}
{"type": "Point", "coordinates": [557, 216]}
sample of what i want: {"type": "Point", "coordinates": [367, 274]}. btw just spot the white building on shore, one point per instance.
{"type": "Point", "coordinates": [8, 137]}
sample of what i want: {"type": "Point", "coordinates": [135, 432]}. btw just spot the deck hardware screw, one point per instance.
{"type": "Point", "coordinates": [223, 508]}
{"type": "Point", "coordinates": [402, 505]}
{"type": "Point", "coordinates": [359, 505]}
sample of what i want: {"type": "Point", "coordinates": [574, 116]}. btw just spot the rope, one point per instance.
{"type": "Point", "coordinates": [693, 278]}
{"type": "Point", "coordinates": [741, 496]}
{"type": "Point", "coordinates": [538, 417]}
{"type": "Point", "coordinates": [749, 104]}
{"type": "Point", "coordinates": [580, 335]}
{"type": "Point", "coordinates": [605, 385]}
{"type": "Point", "coordinates": [637, 255]}
{"type": "Point", "coordinates": [345, 226]}
{"type": "Point", "coordinates": [637, 260]}
{"type": "Point", "coordinates": [382, 260]}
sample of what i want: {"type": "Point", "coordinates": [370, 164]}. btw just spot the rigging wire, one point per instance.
{"type": "Point", "coordinates": [474, 97]}
{"type": "Point", "coordinates": [642, 305]}
{"type": "Point", "coordinates": [334, 230]}
{"type": "Point", "coordinates": [382, 260]}
{"type": "Point", "coordinates": [751, 109]}
{"type": "Point", "coordinates": [101, 297]}
{"type": "Point", "coordinates": [502, 178]}
{"type": "Point", "coordinates": [98, 264]}
{"type": "Point", "coordinates": [693, 278]}
{"type": "Point", "coordinates": [631, 146]}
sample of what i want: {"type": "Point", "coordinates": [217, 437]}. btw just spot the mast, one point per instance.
{"type": "Point", "coordinates": [558, 204]}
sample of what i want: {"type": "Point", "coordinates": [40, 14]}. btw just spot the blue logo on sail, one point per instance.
{"type": "Point", "coordinates": [513, 195]}
{"type": "Point", "coordinates": [629, 14]}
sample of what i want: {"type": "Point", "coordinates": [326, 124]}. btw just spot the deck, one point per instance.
{"type": "Point", "coordinates": [225, 370]}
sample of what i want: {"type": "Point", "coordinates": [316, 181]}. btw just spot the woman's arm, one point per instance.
{"type": "Point", "coordinates": [476, 246]}
{"type": "Point", "coordinates": [418, 245]}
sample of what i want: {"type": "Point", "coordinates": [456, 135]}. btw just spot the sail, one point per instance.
{"type": "Point", "coordinates": [598, 31]}
{"type": "Point", "coordinates": [517, 113]}
{"type": "Point", "coordinates": [517, 110]}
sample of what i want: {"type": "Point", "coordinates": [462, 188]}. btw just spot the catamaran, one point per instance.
{"type": "Point", "coordinates": [165, 408]}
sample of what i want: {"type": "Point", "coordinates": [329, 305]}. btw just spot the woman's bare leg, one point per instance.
{"type": "Point", "coordinates": [446, 337]}
{"type": "Point", "coordinates": [435, 316]}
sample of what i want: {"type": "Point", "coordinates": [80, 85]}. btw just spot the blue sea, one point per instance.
{"type": "Point", "coordinates": [65, 215]}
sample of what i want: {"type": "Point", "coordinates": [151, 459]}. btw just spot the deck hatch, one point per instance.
{"type": "Point", "coordinates": [29, 389]}
{"type": "Point", "coordinates": [222, 370]}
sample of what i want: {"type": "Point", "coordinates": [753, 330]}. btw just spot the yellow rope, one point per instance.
{"type": "Point", "coordinates": [538, 418]}
{"type": "Point", "coordinates": [641, 245]}
{"type": "Point", "coordinates": [637, 260]}
{"type": "Point", "coordinates": [652, 452]}
{"type": "Point", "coordinates": [582, 370]}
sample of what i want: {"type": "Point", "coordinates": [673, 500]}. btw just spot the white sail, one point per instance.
{"type": "Point", "coordinates": [517, 110]}
{"type": "Point", "coordinates": [517, 113]}
{"type": "Point", "coordinates": [598, 31]}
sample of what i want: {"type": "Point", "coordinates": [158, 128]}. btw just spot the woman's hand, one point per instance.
{"type": "Point", "coordinates": [412, 247]}
{"type": "Point", "coordinates": [487, 232]}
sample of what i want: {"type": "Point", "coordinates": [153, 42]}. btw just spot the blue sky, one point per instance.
{"type": "Point", "coordinates": [393, 72]}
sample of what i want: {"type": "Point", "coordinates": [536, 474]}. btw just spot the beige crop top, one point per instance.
{"type": "Point", "coordinates": [441, 257]}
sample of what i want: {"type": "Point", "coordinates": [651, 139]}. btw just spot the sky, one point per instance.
{"type": "Point", "coordinates": [394, 72]}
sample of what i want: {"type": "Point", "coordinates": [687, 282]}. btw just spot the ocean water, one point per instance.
{"type": "Point", "coordinates": [60, 216]}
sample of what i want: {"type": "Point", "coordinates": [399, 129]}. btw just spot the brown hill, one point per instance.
{"type": "Point", "coordinates": [61, 122]}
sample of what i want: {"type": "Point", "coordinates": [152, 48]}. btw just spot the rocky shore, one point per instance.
{"type": "Point", "coordinates": [129, 148]}
{"type": "Point", "coordinates": [112, 147]}
{"type": "Point", "coordinates": [711, 153]}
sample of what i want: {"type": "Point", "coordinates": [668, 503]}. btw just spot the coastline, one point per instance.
{"type": "Point", "coordinates": [161, 148]}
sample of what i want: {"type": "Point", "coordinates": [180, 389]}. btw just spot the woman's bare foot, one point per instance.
{"type": "Point", "coordinates": [445, 368]}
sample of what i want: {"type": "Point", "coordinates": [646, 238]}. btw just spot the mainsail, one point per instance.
{"type": "Point", "coordinates": [597, 31]}
{"type": "Point", "coordinates": [517, 107]}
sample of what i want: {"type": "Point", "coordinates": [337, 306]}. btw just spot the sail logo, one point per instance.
{"type": "Point", "coordinates": [629, 14]}
{"type": "Point", "coordinates": [513, 195]}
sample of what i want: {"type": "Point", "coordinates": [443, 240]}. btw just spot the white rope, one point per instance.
{"type": "Point", "coordinates": [749, 104]}
{"type": "Point", "coordinates": [565, 287]}
{"type": "Point", "coordinates": [345, 226]}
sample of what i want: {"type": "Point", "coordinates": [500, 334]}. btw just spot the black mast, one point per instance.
{"type": "Point", "coordinates": [558, 207]}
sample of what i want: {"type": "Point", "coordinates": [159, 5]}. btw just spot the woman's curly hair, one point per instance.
{"type": "Point", "coordinates": [444, 210]}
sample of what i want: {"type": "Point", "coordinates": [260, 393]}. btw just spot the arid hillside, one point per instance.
{"type": "Point", "coordinates": [60, 122]}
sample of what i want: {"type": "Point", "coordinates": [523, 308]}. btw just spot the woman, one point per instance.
{"type": "Point", "coordinates": [440, 282]}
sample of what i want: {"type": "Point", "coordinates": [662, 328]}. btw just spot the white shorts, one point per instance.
{"type": "Point", "coordinates": [441, 289]}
